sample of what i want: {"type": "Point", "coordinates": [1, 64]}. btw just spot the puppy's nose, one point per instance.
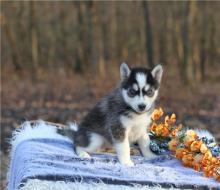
{"type": "Point", "coordinates": [141, 107]}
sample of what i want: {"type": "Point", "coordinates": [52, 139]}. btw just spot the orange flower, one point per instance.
{"type": "Point", "coordinates": [198, 158]}
{"type": "Point", "coordinates": [195, 146]}
{"type": "Point", "coordinates": [181, 152]}
{"type": "Point", "coordinates": [153, 127]}
{"type": "Point", "coordinates": [176, 130]}
{"type": "Point", "coordinates": [197, 162]}
{"type": "Point", "coordinates": [191, 133]}
{"type": "Point", "coordinates": [157, 113]}
{"type": "Point", "coordinates": [208, 155]}
{"type": "Point", "coordinates": [195, 153]}
{"type": "Point", "coordinates": [189, 138]}
{"type": "Point", "coordinates": [206, 161]}
{"type": "Point", "coordinates": [209, 171]}
{"type": "Point", "coordinates": [212, 170]}
{"type": "Point", "coordinates": [197, 167]}
{"type": "Point", "coordinates": [162, 130]}
{"type": "Point", "coordinates": [187, 142]}
{"type": "Point", "coordinates": [203, 148]}
{"type": "Point", "coordinates": [165, 132]}
{"type": "Point", "coordinates": [158, 130]}
{"type": "Point", "coordinates": [170, 120]}
{"type": "Point", "coordinates": [173, 144]}
{"type": "Point", "coordinates": [188, 160]}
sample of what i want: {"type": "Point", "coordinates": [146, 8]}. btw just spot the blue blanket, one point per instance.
{"type": "Point", "coordinates": [40, 153]}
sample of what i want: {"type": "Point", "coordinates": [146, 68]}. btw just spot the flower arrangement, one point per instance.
{"type": "Point", "coordinates": [185, 144]}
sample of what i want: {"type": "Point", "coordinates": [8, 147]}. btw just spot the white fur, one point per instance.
{"type": "Point", "coordinates": [144, 142]}
{"type": "Point", "coordinates": [146, 87]}
{"type": "Point", "coordinates": [136, 130]}
{"type": "Point", "coordinates": [73, 126]}
{"type": "Point", "coordinates": [80, 151]}
{"type": "Point", "coordinates": [124, 71]}
{"type": "Point", "coordinates": [96, 141]}
{"type": "Point", "coordinates": [157, 72]}
{"type": "Point", "coordinates": [135, 87]}
{"type": "Point", "coordinates": [136, 126]}
{"type": "Point", "coordinates": [141, 79]}
{"type": "Point", "coordinates": [123, 152]}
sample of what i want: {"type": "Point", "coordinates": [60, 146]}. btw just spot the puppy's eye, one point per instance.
{"type": "Point", "coordinates": [149, 92]}
{"type": "Point", "coordinates": [132, 92]}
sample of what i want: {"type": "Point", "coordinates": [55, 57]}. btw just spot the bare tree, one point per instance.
{"type": "Point", "coordinates": [149, 38]}
{"type": "Point", "coordinates": [34, 37]}
{"type": "Point", "coordinates": [185, 41]}
{"type": "Point", "coordinates": [97, 40]}
{"type": "Point", "coordinates": [203, 52]}
{"type": "Point", "coordinates": [12, 43]}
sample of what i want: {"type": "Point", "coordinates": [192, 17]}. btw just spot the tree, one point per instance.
{"type": "Point", "coordinates": [185, 41]}
{"type": "Point", "coordinates": [34, 37]}
{"type": "Point", "coordinates": [148, 33]}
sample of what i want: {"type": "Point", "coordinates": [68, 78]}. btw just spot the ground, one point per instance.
{"type": "Point", "coordinates": [62, 97]}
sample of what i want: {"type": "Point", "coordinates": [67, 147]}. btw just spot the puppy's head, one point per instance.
{"type": "Point", "coordinates": [140, 86]}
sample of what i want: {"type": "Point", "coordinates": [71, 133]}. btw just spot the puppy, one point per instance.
{"type": "Point", "coordinates": [122, 117]}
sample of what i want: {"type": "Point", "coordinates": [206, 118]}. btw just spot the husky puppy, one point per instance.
{"type": "Point", "coordinates": [122, 117]}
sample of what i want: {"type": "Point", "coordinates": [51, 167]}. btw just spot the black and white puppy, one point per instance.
{"type": "Point", "coordinates": [122, 117]}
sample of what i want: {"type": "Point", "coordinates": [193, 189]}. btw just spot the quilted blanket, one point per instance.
{"type": "Point", "coordinates": [39, 153]}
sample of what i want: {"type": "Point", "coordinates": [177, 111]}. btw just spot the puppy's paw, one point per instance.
{"type": "Point", "coordinates": [84, 155]}
{"type": "Point", "coordinates": [150, 155]}
{"type": "Point", "coordinates": [128, 163]}
{"type": "Point", "coordinates": [81, 153]}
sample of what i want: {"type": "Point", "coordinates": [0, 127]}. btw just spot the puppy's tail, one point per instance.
{"type": "Point", "coordinates": [70, 131]}
{"type": "Point", "coordinates": [73, 126]}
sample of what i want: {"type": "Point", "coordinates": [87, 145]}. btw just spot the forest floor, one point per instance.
{"type": "Point", "coordinates": [62, 97]}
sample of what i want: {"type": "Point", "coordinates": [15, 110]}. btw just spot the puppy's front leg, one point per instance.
{"type": "Point", "coordinates": [144, 144]}
{"type": "Point", "coordinates": [123, 152]}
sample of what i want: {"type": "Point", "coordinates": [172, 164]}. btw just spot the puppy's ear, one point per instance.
{"type": "Point", "coordinates": [157, 72]}
{"type": "Point", "coordinates": [124, 71]}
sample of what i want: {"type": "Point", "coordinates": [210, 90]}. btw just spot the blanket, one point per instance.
{"type": "Point", "coordinates": [40, 153]}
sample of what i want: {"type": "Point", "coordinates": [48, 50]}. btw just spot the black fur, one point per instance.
{"type": "Point", "coordinates": [132, 80]}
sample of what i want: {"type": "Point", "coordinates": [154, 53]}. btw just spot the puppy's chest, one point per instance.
{"type": "Point", "coordinates": [135, 126]}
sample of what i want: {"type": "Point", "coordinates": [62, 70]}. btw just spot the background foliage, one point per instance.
{"type": "Point", "coordinates": [97, 36]}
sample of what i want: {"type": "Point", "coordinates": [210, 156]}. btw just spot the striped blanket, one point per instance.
{"type": "Point", "coordinates": [39, 153]}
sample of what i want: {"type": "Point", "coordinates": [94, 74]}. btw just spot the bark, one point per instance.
{"type": "Point", "coordinates": [203, 55]}
{"type": "Point", "coordinates": [148, 34]}
{"type": "Point", "coordinates": [12, 43]}
{"type": "Point", "coordinates": [185, 41]}
{"type": "Point", "coordinates": [34, 37]}
{"type": "Point", "coordinates": [97, 40]}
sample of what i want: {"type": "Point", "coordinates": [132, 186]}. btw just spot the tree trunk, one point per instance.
{"type": "Point", "coordinates": [193, 59]}
{"type": "Point", "coordinates": [34, 39]}
{"type": "Point", "coordinates": [203, 42]}
{"type": "Point", "coordinates": [211, 40]}
{"type": "Point", "coordinates": [12, 43]}
{"type": "Point", "coordinates": [79, 48]}
{"type": "Point", "coordinates": [97, 40]}
{"type": "Point", "coordinates": [162, 39]}
{"type": "Point", "coordinates": [148, 33]}
{"type": "Point", "coordinates": [185, 41]}
{"type": "Point", "coordinates": [113, 31]}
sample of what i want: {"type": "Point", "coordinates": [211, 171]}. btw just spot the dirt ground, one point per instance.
{"type": "Point", "coordinates": [61, 97]}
